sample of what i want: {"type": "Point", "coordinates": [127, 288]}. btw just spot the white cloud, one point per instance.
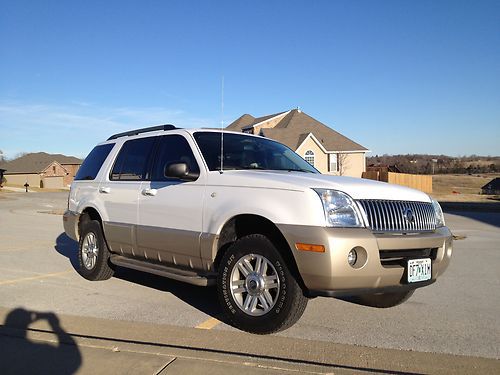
{"type": "Point", "coordinates": [75, 128]}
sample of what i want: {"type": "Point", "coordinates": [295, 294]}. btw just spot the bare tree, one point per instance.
{"type": "Point", "coordinates": [20, 155]}
{"type": "Point", "coordinates": [343, 162]}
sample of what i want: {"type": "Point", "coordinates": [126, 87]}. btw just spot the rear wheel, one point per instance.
{"type": "Point", "coordinates": [383, 300]}
{"type": "Point", "coordinates": [93, 253]}
{"type": "Point", "coordinates": [256, 289]}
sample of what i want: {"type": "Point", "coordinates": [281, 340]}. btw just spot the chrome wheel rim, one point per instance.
{"type": "Point", "coordinates": [254, 284]}
{"type": "Point", "coordinates": [90, 250]}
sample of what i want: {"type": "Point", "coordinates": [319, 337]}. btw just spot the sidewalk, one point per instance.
{"type": "Point", "coordinates": [46, 343]}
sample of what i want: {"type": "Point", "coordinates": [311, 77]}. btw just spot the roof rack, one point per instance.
{"type": "Point", "coordinates": [143, 130]}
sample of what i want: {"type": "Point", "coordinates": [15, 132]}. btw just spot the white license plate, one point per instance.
{"type": "Point", "coordinates": [419, 270]}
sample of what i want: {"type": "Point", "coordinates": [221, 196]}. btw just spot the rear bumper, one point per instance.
{"type": "Point", "coordinates": [70, 222]}
{"type": "Point", "coordinates": [329, 274]}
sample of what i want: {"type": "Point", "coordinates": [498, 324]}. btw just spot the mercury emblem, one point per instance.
{"type": "Point", "coordinates": [408, 215]}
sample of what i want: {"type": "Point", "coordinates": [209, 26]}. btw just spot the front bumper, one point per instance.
{"type": "Point", "coordinates": [70, 222]}
{"type": "Point", "coordinates": [329, 274]}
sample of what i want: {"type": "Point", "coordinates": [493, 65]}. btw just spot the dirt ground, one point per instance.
{"type": "Point", "coordinates": [462, 188]}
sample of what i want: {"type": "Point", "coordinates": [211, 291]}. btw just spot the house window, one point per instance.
{"type": "Point", "coordinates": [54, 169]}
{"type": "Point", "coordinates": [333, 163]}
{"type": "Point", "coordinates": [309, 157]}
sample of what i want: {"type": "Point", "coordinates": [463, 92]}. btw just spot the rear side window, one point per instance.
{"type": "Point", "coordinates": [132, 161]}
{"type": "Point", "coordinates": [93, 162]}
{"type": "Point", "coordinates": [173, 149]}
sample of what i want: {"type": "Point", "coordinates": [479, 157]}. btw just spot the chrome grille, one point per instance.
{"type": "Point", "coordinates": [389, 216]}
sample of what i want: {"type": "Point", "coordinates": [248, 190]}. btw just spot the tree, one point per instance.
{"type": "Point", "coordinates": [343, 162]}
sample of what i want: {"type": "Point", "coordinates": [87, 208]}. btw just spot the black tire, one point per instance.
{"type": "Point", "coordinates": [289, 300]}
{"type": "Point", "coordinates": [101, 269]}
{"type": "Point", "coordinates": [382, 300]}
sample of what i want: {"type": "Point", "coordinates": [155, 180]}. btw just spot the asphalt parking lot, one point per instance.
{"type": "Point", "coordinates": [448, 326]}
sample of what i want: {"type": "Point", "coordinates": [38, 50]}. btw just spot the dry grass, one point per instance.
{"type": "Point", "coordinates": [462, 188]}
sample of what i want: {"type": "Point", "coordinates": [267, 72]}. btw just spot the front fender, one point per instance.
{"type": "Point", "coordinates": [277, 205]}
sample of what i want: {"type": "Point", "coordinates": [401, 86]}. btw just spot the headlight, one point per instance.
{"type": "Point", "coordinates": [340, 210]}
{"type": "Point", "coordinates": [439, 213]}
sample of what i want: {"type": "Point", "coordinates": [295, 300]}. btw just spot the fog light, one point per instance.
{"type": "Point", "coordinates": [352, 257]}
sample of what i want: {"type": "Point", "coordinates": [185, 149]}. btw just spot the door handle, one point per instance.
{"type": "Point", "coordinates": [149, 192]}
{"type": "Point", "coordinates": [104, 190]}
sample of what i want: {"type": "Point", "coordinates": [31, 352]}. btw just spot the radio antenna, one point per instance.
{"type": "Point", "coordinates": [222, 129]}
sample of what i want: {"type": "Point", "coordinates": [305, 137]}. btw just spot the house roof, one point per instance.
{"type": "Point", "coordinates": [241, 122]}
{"type": "Point", "coordinates": [294, 128]}
{"type": "Point", "coordinates": [36, 162]}
{"type": "Point", "coordinates": [493, 184]}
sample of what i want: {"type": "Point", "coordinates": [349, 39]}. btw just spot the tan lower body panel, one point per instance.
{"type": "Point", "coordinates": [330, 271]}
{"type": "Point", "coordinates": [156, 244]}
{"type": "Point", "coordinates": [70, 223]}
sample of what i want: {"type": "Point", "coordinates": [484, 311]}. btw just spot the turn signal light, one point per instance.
{"type": "Point", "coordinates": [310, 247]}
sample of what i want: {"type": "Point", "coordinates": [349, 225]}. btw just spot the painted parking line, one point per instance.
{"type": "Point", "coordinates": [208, 324]}
{"type": "Point", "coordinates": [44, 276]}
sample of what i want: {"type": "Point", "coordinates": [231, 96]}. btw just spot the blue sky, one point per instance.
{"type": "Point", "coordinates": [395, 76]}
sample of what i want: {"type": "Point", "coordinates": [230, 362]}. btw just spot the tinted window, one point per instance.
{"type": "Point", "coordinates": [132, 160]}
{"type": "Point", "coordinates": [245, 152]}
{"type": "Point", "coordinates": [93, 162]}
{"type": "Point", "coordinates": [173, 149]}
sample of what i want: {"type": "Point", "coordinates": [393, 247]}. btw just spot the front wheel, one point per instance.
{"type": "Point", "coordinates": [257, 291]}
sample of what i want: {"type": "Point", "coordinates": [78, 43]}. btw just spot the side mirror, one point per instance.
{"type": "Point", "coordinates": [181, 171]}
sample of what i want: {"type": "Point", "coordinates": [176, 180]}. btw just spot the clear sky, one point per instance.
{"type": "Point", "coordinates": [395, 76]}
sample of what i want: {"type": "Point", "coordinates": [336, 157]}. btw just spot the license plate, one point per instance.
{"type": "Point", "coordinates": [419, 270]}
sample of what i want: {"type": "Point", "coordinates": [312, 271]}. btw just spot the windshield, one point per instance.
{"type": "Point", "coordinates": [245, 152]}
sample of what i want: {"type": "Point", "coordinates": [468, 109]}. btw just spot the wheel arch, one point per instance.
{"type": "Point", "coordinates": [90, 212]}
{"type": "Point", "coordinates": [245, 224]}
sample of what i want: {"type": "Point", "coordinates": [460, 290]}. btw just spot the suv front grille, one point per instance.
{"type": "Point", "coordinates": [398, 216]}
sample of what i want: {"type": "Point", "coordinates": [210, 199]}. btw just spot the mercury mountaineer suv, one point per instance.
{"type": "Point", "coordinates": [249, 215]}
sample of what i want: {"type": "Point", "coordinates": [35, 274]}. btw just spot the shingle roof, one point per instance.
{"type": "Point", "coordinates": [293, 129]}
{"type": "Point", "coordinates": [36, 162]}
{"type": "Point", "coordinates": [241, 122]}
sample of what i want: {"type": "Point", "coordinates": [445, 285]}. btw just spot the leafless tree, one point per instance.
{"type": "Point", "coordinates": [343, 162]}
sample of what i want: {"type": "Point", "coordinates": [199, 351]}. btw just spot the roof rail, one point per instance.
{"type": "Point", "coordinates": [143, 130]}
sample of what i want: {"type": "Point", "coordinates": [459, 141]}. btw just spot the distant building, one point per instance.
{"type": "Point", "coordinates": [1, 176]}
{"type": "Point", "coordinates": [327, 150]}
{"type": "Point", "coordinates": [41, 170]}
{"type": "Point", "coordinates": [492, 187]}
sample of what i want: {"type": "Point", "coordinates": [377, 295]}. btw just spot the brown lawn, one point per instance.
{"type": "Point", "coordinates": [462, 188]}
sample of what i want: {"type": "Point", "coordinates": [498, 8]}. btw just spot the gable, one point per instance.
{"type": "Point", "coordinates": [58, 167]}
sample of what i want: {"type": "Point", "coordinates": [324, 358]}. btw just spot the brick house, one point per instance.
{"type": "Point", "coordinates": [327, 150]}
{"type": "Point", "coordinates": [41, 170]}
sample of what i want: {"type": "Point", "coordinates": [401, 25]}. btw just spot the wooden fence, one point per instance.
{"type": "Point", "coordinates": [415, 181]}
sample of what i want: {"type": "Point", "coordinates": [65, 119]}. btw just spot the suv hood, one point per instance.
{"type": "Point", "coordinates": [357, 188]}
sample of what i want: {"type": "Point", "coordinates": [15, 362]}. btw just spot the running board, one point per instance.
{"type": "Point", "coordinates": [190, 277]}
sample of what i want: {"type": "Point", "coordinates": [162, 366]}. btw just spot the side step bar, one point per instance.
{"type": "Point", "coordinates": [190, 277]}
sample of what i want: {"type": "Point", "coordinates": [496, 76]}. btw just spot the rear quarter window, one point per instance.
{"type": "Point", "coordinates": [132, 161]}
{"type": "Point", "coordinates": [93, 162]}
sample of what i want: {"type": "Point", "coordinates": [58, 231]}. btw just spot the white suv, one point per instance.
{"type": "Point", "coordinates": [259, 222]}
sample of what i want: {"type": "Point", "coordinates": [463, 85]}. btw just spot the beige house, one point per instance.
{"type": "Point", "coordinates": [41, 170]}
{"type": "Point", "coordinates": [327, 150]}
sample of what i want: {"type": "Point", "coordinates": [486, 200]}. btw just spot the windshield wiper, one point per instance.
{"type": "Point", "coordinates": [297, 170]}
{"type": "Point", "coordinates": [242, 168]}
